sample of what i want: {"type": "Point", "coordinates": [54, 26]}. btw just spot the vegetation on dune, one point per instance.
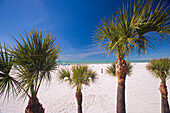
{"type": "Point", "coordinates": [77, 76]}
{"type": "Point", "coordinates": [160, 68]}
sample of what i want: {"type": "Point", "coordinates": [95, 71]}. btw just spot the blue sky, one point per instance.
{"type": "Point", "coordinates": [71, 21]}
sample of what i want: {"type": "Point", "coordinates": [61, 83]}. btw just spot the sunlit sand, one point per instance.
{"type": "Point", "coordinates": [142, 94]}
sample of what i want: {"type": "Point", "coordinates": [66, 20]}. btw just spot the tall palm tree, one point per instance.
{"type": "Point", "coordinates": [35, 57]}
{"type": "Point", "coordinates": [7, 82]}
{"type": "Point", "coordinates": [160, 68]}
{"type": "Point", "coordinates": [111, 70]}
{"type": "Point", "coordinates": [123, 34]}
{"type": "Point", "coordinates": [78, 75]}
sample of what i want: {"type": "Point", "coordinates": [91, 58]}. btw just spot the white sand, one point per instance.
{"type": "Point", "coordinates": [142, 94]}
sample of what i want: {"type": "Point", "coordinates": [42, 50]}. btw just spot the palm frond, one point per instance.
{"type": "Point", "coordinates": [118, 34]}
{"type": "Point", "coordinates": [37, 56]}
{"type": "Point", "coordinates": [160, 68]}
{"type": "Point", "coordinates": [156, 19]}
{"type": "Point", "coordinates": [8, 84]}
{"type": "Point", "coordinates": [125, 32]}
{"type": "Point", "coordinates": [78, 75]}
{"type": "Point", "coordinates": [111, 70]}
{"type": "Point", "coordinates": [64, 74]}
{"type": "Point", "coordinates": [129, 68]}
{"type": "Point", "coordinates": [91, 75]}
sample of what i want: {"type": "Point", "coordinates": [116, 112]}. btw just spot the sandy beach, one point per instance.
{"type": "Point", "coordinates": [142, 94]}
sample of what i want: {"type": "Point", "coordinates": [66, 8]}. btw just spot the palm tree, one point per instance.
{"type": "Point", "coordinates": [123, 34]}
{"type": "Point", "coordinates": [111, 70]}
{"type": "Point", "coordinates": [35, 57]}
{"type": "Point", "coordinates": [7, 82]}
{"type": "Point", "coordinates": [160, 68]}
{"type": "Point", "coordinates": [81, 74]}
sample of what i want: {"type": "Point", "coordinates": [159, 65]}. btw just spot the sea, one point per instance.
{"type": "Point", "coordinates": [95, 62]}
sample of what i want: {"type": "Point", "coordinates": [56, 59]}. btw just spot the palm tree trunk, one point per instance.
{"type": "Point", "coordinates": [164, 99]}
{"type": "Point", "coordinates": [121, 71]}
{"type": "Point", "coordinates": [162, 107]}
{"type": "Point", "coordinates": [79, 100]}
{"type": "Point", "coordinates": [34, 106]}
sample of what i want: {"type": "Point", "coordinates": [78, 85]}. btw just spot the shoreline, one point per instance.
{"type": "Point", "coordinates": [94, 62]}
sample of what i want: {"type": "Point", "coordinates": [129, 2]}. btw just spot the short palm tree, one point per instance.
{"type": "Point", "coordinates": [111, 70]}
{"type": "Point", "coordinates": [35, 57]}
{"type": "Point", "coordinates": [78, 75]}
{"type": "Point", "coordinates": [7, 82]}
{"type": "Point", "coordinates": [124, 33]}
{"type": "Point", "coordinates": [160, 68]}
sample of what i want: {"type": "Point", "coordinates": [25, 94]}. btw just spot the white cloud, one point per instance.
{"type": "Point", "coordinates": [84, 55]}
{"type": "Point", "coordinates": [79, 54]}
{"type": "Point", "coordinates": [149, 58]}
